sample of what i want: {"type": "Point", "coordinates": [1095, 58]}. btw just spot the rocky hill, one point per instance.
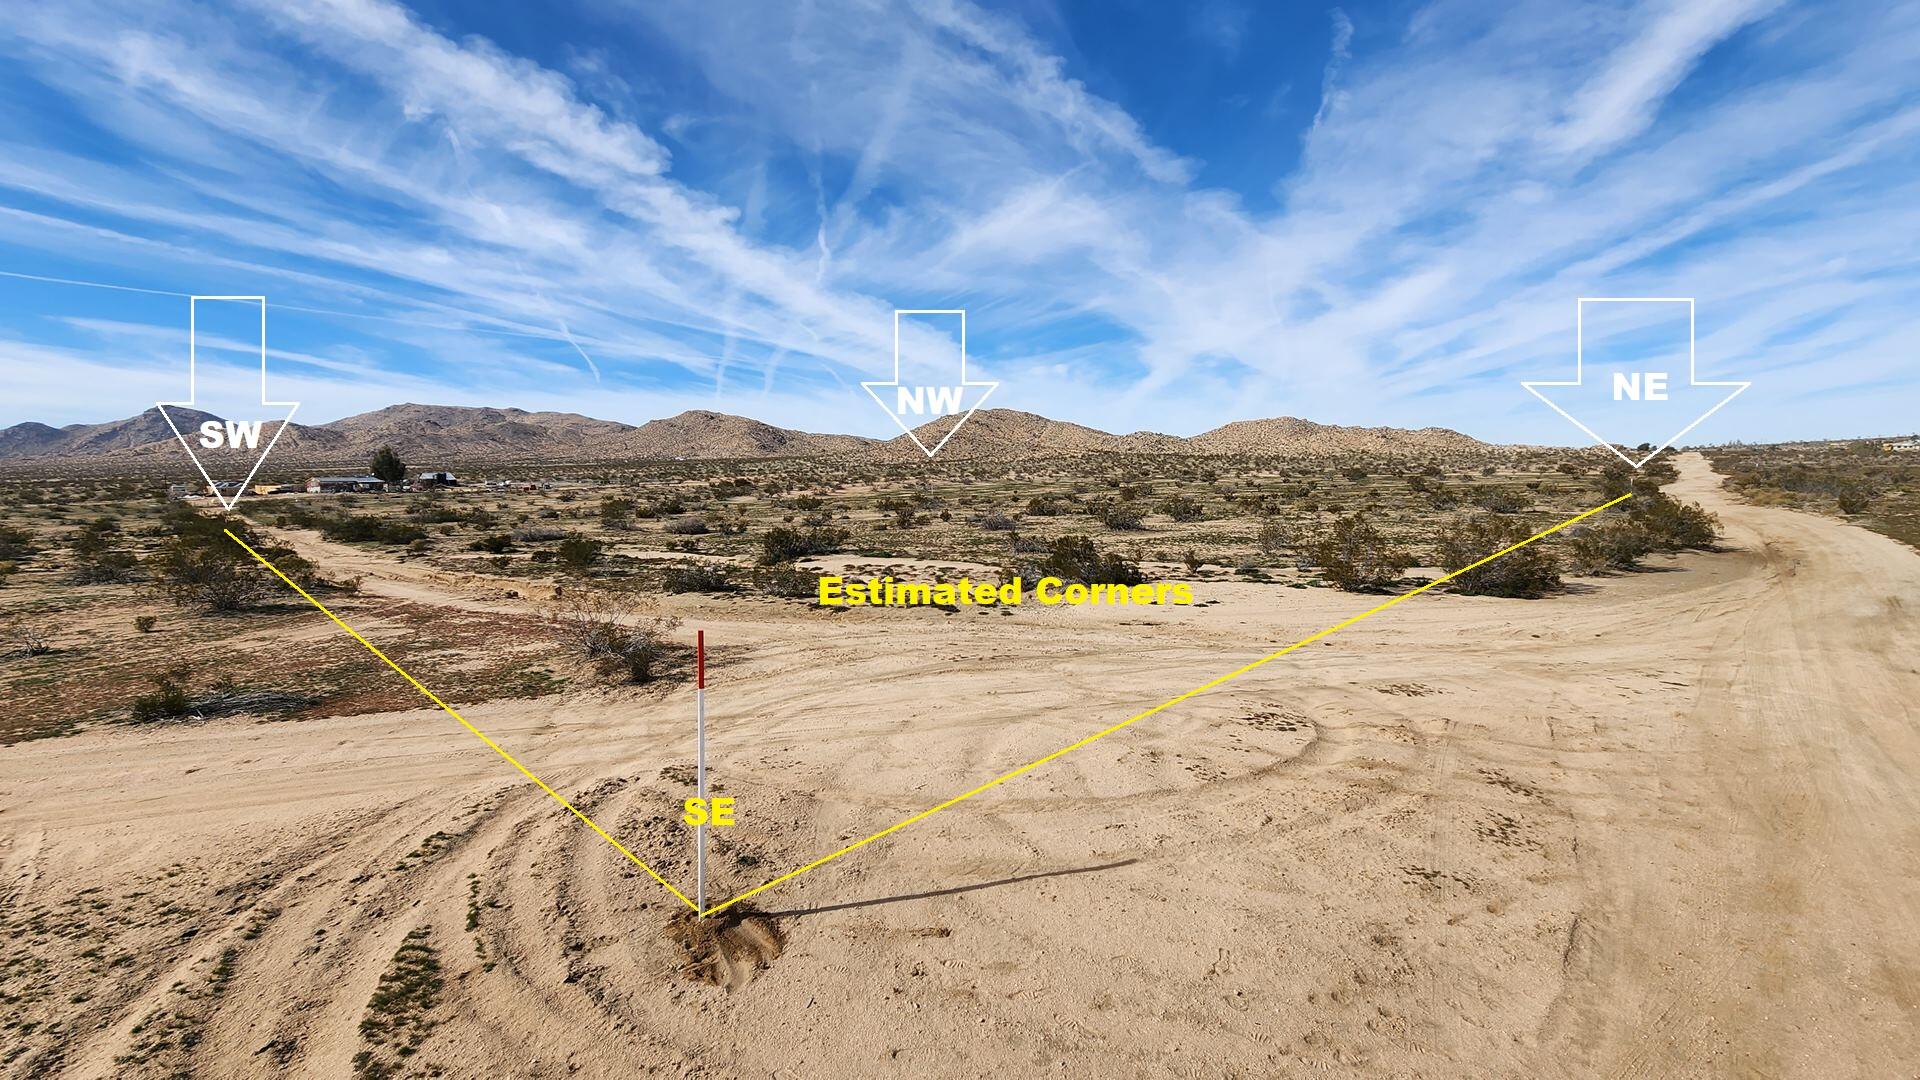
{"type": "Point", "coordinates": [1005, 433]}
{"type": "Point", "coordinates": [87, 440]}
{"type": "Point", "coordinates": [702, 434]}
{"type": "Point", "coordinates": [1289, 436]}
{"type": "Point", "coordinates": [445, 435]}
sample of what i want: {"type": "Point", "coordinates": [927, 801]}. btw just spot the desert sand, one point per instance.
{"type": "Point", "coordinates": [1666, 825]}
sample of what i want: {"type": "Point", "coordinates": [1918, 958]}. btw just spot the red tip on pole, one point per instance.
{"type": "Point", "coordinates": [700, 659]}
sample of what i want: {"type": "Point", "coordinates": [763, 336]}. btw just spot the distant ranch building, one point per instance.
{"type": "Point", "coordinates": [1904, 446]}
{"type": "Point", "coordinates": [327, 485]}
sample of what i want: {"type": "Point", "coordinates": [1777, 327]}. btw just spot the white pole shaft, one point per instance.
{"type": "Point", "coordinates": [700, 786]}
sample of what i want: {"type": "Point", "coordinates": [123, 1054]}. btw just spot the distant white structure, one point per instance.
{"type": "Point", "coordinates": [319, 485]}
{"type": "Point", "coordinates": [1904, 446]}
{"type": "Point", "coordinates": [437, 479]}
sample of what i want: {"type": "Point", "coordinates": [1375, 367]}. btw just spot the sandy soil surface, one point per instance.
{"type": "Point", "coordinates": [1668, 825]}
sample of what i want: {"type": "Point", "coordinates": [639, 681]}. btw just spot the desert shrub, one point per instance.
{"type": "Point", "coordinates": [783, 545]}
{"type": "Point", "coordinates": [536, 534]}
{"type": "Point", "coordinates": [18, 637]}
{"type": "Point", "coordinates": [1116, 514]}
{"type": "Point", "coordinates": [145, 623]}
{"type": "Point", "coordinates": [1672, 525]}
{"type": "Point", "coordinates": [167, 701]}
{"type": "Point", "coordinates": [1043, 506]}
{"type": "Point", "coordinates": [786, 581]}
{"type": "Point", "coordinates": [687, 526]}
{"type": "Point", "coordinates": [95, 558]}
{"type": "Point", "coordinates": [200, 566]}
{"type": "Point", "coordinates": [995, 521]}
{"type": "Point", "coordinates": [432, 510]}
{"type": "Point", "coordinates": [1614, 544]}
{"type": "Point", "coordinates": [496, 544]}
{"type": "Point", "coordinates": [1273, 537]}
{"type": "Point", "coordinates": [1501, 501]}
{"type": "Point", "coordinates": [1354, 556]}
{"type": "Point", "coordinates": [1182, 508]}
{"type": "Point", "coordinates": [695, 577]}
{"type": "Point", "coordinates": [1531, 571]}
{"type": "Point", "coordinates": [15, 544]}
{"type": "Point", "coordinates": [1075, 558]}
{"type": "Point", "coordinates": [1853, 498]}
{"type": "Point", "coordinates": [620, 637]}
{"type": "Point", "coordinates": [727, 524]}
{"type": "Point", "coordinates": [578, 553]}
{"type": "Point", "coordinates": [371, 529]}
{"type": "Point", "coordinates": [616, 512]}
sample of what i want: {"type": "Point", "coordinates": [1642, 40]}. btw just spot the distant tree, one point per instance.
{"type": "Point", "coordinates": [388, 466]}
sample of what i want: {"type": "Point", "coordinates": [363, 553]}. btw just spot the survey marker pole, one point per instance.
{"type": "Point", "coordinates": [700, 764]}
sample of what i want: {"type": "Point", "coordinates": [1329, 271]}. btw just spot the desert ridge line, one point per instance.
{"type": "Point", "coordinates": [836, 591]}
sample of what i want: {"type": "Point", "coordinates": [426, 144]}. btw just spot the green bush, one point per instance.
{"type": "Point", "coordinates": [783, 545]}
{"type": "Point", "coordinates": [496, 544]}
{"type": "Point", "coordinates": [578, 553]}
{"type": "Point", "coordinates": [1354, 556]}
{"type": "Point", "coordinates": [1076, 559]}
{"type": "Point", "coordinates": [695, 577]}
{"type": "Point", "coordinates": [787, 581]}
{"type": "Point", "coordinates": [96, 559]}
{"type": "Point", "coordinates": [200, 566]}
{"type": "Point", "coordinates": [168, 700]}
{"type": "Point", "coordinates": [1614, 544]}
{"type": "Point", "coordinates": [370, 529]}
{"type": "Point", "coordinates": [15, 544]}
{"type": "Point", "coordinates": [1672, 525]}
{"type": "Point", "coordinates": [1530, 572]}
{"type": "Point", "coordinates": [1182, 508]}
{"type": "Point", "coordinates": [1116, 514]}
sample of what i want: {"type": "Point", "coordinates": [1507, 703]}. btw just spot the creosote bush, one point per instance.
{"type": "Point", "coordinates": [695, 577]}
{"type": "Point", "coordinates": [1531, 572]}
{"type": "Point", "coordinates": [1354, 556]}
{"type": "Point", "coordinates": [1076, 559]}
{"type": "Point", "coordinates": [782, 544]}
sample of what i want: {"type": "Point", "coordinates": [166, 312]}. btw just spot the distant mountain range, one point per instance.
{"type": "Point", "coordinates": [452, 435]}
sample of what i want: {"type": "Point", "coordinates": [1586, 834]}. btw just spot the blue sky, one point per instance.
{"type": "Point", "coordinates": [1159, 216]}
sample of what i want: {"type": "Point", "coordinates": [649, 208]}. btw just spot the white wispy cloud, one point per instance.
{"type": "Point", "coordinates": [1466, 174]}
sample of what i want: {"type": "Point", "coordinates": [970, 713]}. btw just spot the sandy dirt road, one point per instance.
{"type": "Point", "coordinates": [1668, 825]}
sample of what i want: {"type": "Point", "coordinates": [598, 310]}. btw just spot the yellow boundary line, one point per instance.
{"type": "Point", "coordinates": [964, 796]}
{"type": "Point", "coordinates": [481, 735]}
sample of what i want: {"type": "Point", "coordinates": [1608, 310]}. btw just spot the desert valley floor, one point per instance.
{"type": "Point", "coordinates": [1665, 825]}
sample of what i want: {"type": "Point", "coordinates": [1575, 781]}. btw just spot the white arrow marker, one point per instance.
{"type": "Point", "coordinates": [928, 401]}
{"type": "Point", "coordinates": [230, 433]}
{"type": "Point", "coordinates": [1631, 386]}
